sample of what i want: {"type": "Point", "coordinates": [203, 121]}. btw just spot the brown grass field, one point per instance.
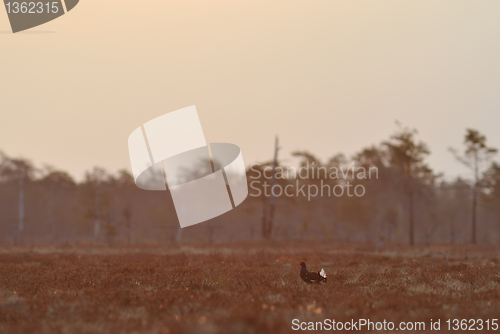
{"type": "Point", "coordinates": [244, 288]}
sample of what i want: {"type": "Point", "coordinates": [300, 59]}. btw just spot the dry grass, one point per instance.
{"type": "Point", "coordinates": [252, 288]}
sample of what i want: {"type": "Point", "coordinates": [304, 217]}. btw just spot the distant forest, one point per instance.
{"type": "Point", "coordinates": [408, 203]}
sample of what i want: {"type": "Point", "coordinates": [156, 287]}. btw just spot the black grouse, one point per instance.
{"type": "Point", "coordinates": [311, 277]}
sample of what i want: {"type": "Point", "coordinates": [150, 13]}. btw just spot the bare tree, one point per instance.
{"type": "Point", "coordinates": [476, 155]}
{"type": "Point", "coordinates": [407, 155]}
{"type": "Point", "coordinates": [269, 205]}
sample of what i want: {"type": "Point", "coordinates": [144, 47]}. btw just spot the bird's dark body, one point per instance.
{"type": "Point", "coordinates": [310, 277]}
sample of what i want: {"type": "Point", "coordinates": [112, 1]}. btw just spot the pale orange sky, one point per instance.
{"type": "Point", "coordinates": [328, 76]}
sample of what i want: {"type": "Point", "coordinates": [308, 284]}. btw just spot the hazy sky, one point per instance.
{"type": "Point", "coordinates": [328, 76]}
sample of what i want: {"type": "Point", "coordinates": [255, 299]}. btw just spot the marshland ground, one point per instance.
{"type": "Point", "coordinates": [240, 288]}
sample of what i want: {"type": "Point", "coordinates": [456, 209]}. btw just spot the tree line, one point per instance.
{"type": "Point", "coordinates": [407, 203]}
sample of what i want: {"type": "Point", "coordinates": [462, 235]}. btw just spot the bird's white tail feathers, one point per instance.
{"type": "Point", "coordinates": [323, 273]}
